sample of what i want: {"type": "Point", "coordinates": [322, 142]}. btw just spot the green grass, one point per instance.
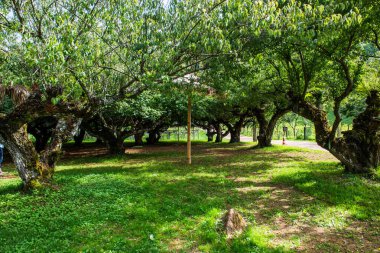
{"type": "Point", "coordinates": [154, 202]}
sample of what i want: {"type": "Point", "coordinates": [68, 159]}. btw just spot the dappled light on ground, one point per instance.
{"type": "Point", "coordinates": [150, 201]}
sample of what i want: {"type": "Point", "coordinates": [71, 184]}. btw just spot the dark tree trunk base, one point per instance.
{"type": "Point", "coordinates": [153, 138]}
{"type": "Point", "coordinates": [264, 141]}
{"type": "Point", "coordinates": [235, 137]}
{"type": "Point", "coordinates": [139, 139]}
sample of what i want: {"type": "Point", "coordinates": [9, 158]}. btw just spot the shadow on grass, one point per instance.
{"type": "Point", "coordinates": [154, 202]}
{"type": "Point", "coordinates": [328, 183]}
{"type": "Point", "coordinates": [115, 208]}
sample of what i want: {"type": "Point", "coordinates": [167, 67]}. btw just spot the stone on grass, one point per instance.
{"type": "Point", "coordinates": [233, 223]}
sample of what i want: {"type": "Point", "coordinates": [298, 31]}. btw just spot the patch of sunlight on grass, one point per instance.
{"type": "Point", "coordinates": [331, 217]}
{"type": "Point", "coordinates": [154, 202]}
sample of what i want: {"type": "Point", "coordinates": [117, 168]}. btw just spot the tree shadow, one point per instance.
{"type": "Point", "coordinates": [119, 203]}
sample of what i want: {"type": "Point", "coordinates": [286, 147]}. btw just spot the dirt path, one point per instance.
{"type": "Point", "coordinates": [300, 144]}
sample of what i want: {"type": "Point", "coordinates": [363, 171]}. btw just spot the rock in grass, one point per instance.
{"type": "Point", "coordinates": [233, 223]}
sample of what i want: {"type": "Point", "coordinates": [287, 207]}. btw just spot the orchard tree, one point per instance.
{"type": "Point", "coordinates": [321, 49]}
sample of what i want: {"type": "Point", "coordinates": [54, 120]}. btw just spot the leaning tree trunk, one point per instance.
{"type": "Point", "coordinates": [359, 148]}
{"type": "Point", "coordinates": [31, 170]}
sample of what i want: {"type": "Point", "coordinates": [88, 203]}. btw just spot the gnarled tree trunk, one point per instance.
{"type": "Point", "coordinates": [115, 146]}
{"type": "Point", "coordinates": [113, 139]}
{"type": "Point", "coordinates": [235, 135]}
{"type": "Point", "coordinates": [31, 170]}
{"type": "Point", "coordinates": [235, 129]}
{"type": "Point", "coordinates": [155, 134]}
{"type": "Point", "coordinates": [65, 129]}
{"type": "Point", "coordinates": [359, 148]}
{"type": "Point", "coordinates": [266, 128]}
{"type": "Point", "coordinates": [219, 133]}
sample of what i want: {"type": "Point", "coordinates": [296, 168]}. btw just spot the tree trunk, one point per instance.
{"type": "Point", "coordinates": [113, 139]}
{"type": "Point", "coordinates": [80, 137]}
{"type": "Point", "coordinates": [339, 132]}
{"type": "Point", "coordinates": [210, 137]}
{"type": "Point", "coordinates": [31, 170]}
{"type": "Point", "coordinates": [235, 135]}
{"type": "Point", "coordinates": [254, 138]}
{"type": "Point", "coordinates": [154, 137]}
{"type": "Point", "coordinates": [266, 128]}
{"type": "Point", "coordinates": [304, 133]}
{"type": "Point", "coordinates": [219, 136]}
{"type": "Point", "coordinates": [359, 148]}
{"type": "Point", "coordinates": [139, 139]}
{"type": "Point", "coordinates": [235, 129]}
{"type": "Point", "coordinates": [210, 133]}
{"type": "Point", "coordinates": [66, 128]}
{"type": "Point", "coordinates": [115, 146]}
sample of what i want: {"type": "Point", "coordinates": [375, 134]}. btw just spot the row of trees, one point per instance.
{"type": "Point", "coordinates": [116, 69]}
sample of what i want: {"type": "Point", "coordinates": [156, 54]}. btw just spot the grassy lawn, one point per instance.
{"type": "Point", "coordinates": [150, 201]}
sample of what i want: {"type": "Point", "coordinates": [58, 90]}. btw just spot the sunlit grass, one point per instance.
{"type": "Point", "coordinates": [154, 202]}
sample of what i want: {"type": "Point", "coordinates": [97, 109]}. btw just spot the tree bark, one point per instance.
{"type": "Point", "coordinates": [66, 128]}
{"type": "Point", "coordinates": [235, 129]}
{"type": "Point", "coordinates": [254, 138]}
{"type": "Point", "coordinates": [115, 146]}
{"type": "Point", "coordinates": [359, 148]}
{"type": "Point", "coordinates": [31, 170]}
{"type": "Point", "coordinates": [139, 139]}
{"type": "Point", "coordinates": [154, 137]}
{"type": "Point", "coordinates": [235, 135]}
{"type": "Point", "coordinates": [266, 128]}
{"type": "Point", "coordinates": [113, 139]}
{"type": "Point", "coordinates": [219, 136]}
{"type": "Point", "coordinates": [155, 134]}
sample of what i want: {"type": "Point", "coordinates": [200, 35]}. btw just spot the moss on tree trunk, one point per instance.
{"type": "Point", "coordinates": [32, 171]}
{"type": "Point", "coordinates": [359, 148]}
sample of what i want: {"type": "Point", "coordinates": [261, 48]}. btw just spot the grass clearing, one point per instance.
{"type": "Point", "coordinates": [150, 201]}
